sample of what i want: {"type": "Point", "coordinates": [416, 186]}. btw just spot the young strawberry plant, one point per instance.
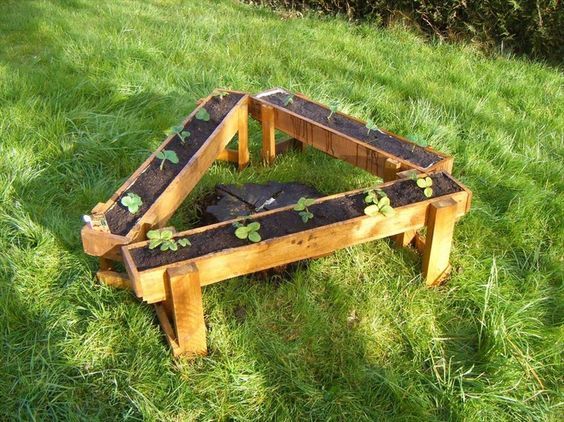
{"type": "Point", "coordinates": [180, 132]}
{"type": "Point", "coordinates": [164, 240]}
{"type": "Point", "coordinates": [132, 202]}
{"type": "Point", "coordinates": [370, 125]}
{"type": "Point", "coordinates": [303, 210]}
{"type": "Point", "coordinates": [425, 183]}
{"type": "Point", "coordinates": [167, 155]}
{"type": "Point", "coordinates": [289, 100]}
{"type": "Point", "coordinates": [380, 204]}
{"type": "Point", "coordinates": [333, 107]}
{"type": "Point", "coordinates": [249, 231]}
{"type": "Point", "coordinates": [202, 114]}
{"type": "Point", "coordinates": [220, 94]}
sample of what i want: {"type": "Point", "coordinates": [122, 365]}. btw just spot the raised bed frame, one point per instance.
{"type": "Point", "coordinates": [107, 245]}
{"type": "Point", "coordinates": [333, 142]}
{"type": "Point", "coordinates": [175, 287]}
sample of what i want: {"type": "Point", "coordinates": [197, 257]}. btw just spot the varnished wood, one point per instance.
{"type": "Point", "coordinates": [391, 168]}
{"type": "Point", "coordinates": [231, 155]}
{"type": "Point", "coordinates": [113, 279]}
{"type": "Point", "coordinates": [268, 134]}
{"type": "Point", "coordinates": [243, 137]}
{"type": "Point", "coordinates": [286, 145]}
{"type": "Point", "coordinates": [438, 242]}
{"type": "Point", "coordinates": [186, 309]}
{"type": "Point", "coordinates": [310, 243]}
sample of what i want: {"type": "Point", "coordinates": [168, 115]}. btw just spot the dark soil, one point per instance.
{"type": "Point", "coordinates": [288, 222]}
{"type": "Point", "coordinates": [153, 181]}
{"type": "Point", "coordinates": [390, 144]}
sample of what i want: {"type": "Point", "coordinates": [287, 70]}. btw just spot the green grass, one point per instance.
{"type": "Point", "coordinates": [86, 90]}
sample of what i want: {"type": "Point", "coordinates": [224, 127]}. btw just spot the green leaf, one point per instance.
{"type": "Point", "coordinates": [299, 207]}
{"type": "Point", "coordinates": [428, 181]}
{"type": "Point", "coordinates": [154, 243]}
{"type": "Point", "coordinates": [153, 234]}
{"type": "Point", "coordinates": [372, 210]}
{"type": "Point", "coordinates": [185, 134]}
{"type": "Point", "coordinates": [171, 156]}
{"type": "Point", "coordinates": [133, 208]}
{"type": "Point", "coordinates": [161, 155]}
{"type": "Point", "coordinates": [289, 99]}
{"type": "Point", "coordinates": [184, 242]}
{"type": "Point", "coordinates": [387, 210]}
{"type": "Point", "coordinates": [242, 232]}
{"type": "Point", "coordinates": [254, 226]}
{"type": "Point", "coordinates": [385, 201]}
{"type": "Point", "coordinates": [173, 246]}
{"type": "Point", "coordinates": [428, 192]}
{"type": "Point", "coordinates": [202, 114]}
{"type": "Point", "coordinates": [165, 246]}
{"type": "Point", "coordinates": [304, 216]}
{"type": "Point", "coordinates": [421, 183]}
{"type": "Point", "coordinates": [254, 237]}
{"type": "Point", "coordinates": [166, 234]}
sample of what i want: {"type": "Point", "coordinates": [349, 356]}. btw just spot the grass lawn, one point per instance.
{"type": "Point", "coordinates": [86, 90]}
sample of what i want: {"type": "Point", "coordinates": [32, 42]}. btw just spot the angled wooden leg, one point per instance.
{"type": "Point", "coordinates": [182, 314]}
{"type": "Point", "coordinates": [440, 227]}
{"type": "Point", "coordinates": [268, 135]}
{"type": "Point", "coordinates": [243, 147]}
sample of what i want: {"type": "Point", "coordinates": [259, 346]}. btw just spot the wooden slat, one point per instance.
{"type": "Point", "coordinates": [185, 300]}
{"type": "Point", "coordinates": [231, 155]}
{"type": "Point", "coordinates": [113, 279]}
{"type": "Point", "coordinates": [243, 141]}
{"type": "Point", "coordinates": [268, 135]}
{"type": "Point", "coordinates": [438, 242]}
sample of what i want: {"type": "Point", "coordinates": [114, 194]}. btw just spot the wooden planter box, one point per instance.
{"type": "Point", "coordinates": [267, 108]}
{"type": "Point", "coordinates": [231, 120]}
{"type": "Point", "coordinates": [175, 282]}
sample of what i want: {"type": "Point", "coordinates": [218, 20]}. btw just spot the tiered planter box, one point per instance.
{"type": "Point", "coordinates": [174, 278]}
{"type": "Point", "coordinates": [162, 191]}
{"type": "Point", "coordinates": [381, 153]}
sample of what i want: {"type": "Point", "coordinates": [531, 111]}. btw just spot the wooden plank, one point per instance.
{"type": "Point", "coordinates": [243, 141]}
{"type": "Point", "coordinates": [391, 168]}
{"type": "Point", "coordinates": [404, 239]}
{"type": "Point", "coordinates": [113, 279]}
{"type": "Point", "coordinates": [268, 135]}
{"type": "Point", "coordinates": [168, 329]}
{"type": "Point", "coordinates": [188, 313]}
{"type": "Point", "coordinates": [231, 155]}
{"type": "Point", "coordinates": [440, 228]}
{"type": "Point", "coordinates": [286, 249]}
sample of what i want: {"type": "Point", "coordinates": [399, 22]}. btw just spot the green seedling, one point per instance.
{"type": "Point", "coordinates": [132, 202]}
{"type": "Point", "coordinates": [333, 106]}
{"type": "Point", "coordinates": [180, 132]}
{"type": "Point", "coordinates": [303, 210]}
{"type": "Point", "coordinates": [202, 114]}
{"type": "Point", "coordinates": [418, 141]}
{"type": "Point", "coordinates": [425, 183]}
{"type": "Point", "coordinates": [249, 231]}
{"type": "Point", "coordinates": [370, 125]}
{"type": "Point", "coordinates": [220, 94]}
{"type": "Point", "coordinates": [164, 239]}
{"type": "Point", "coordinates": [380, 204]}
{"type": "Point", "coordinates": [289, 100]}
{"type": "Point", "coordinates": [165, 155]}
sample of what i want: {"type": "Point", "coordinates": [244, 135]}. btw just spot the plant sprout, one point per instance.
{"type": "Point", "coordinates": [380, 204]}
{"type": "Point", "coordinates": [370, 125]}
{"type": "Point", "coordinates": [165, 155]}
{"type": "Point", "coordinates": [302, 207]}
{"type": "Point", "coordinates": [289, 100]}
{"type": "Point", "coordinates": [333, 106]}
{"type": "Point", "coordinates": [248, 232]}
{"type": "Point", "coordinates": [164, 239]}
{"type": "Point", "coordinates": [132, 202]}
{"type": "Point", "coordinates": [202, 114]}
{"type": "Point", "coordinates": [418, 140]}
{"type": "Point", "coordinates": [180, 132]}
{"type": "Point", "coordinates": [220, 94]}
{"type": "Point", "coordinates": [425, 183]}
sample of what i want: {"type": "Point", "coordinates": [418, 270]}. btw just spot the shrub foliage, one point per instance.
{"type": "Point", "coordinates": [523, 26]}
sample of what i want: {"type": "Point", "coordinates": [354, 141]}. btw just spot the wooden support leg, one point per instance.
{"type": "Point", "coordinates": [268, 136]}
{"type": "Point", "coordinates": [243, 148]}
{"type": "Point", "coordinates": [440, 227]}
{"type": "Point", "coordinates": [183, 315]}
{"type": "Point", "coordinates": [391, 167]}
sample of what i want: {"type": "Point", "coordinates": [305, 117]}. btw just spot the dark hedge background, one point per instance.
{"type": "Point", "coordinates": [532, 27]}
